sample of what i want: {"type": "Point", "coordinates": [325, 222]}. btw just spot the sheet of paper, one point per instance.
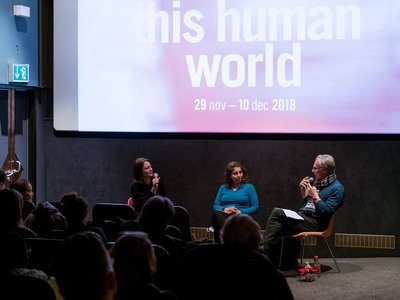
{"type": "Point", "coordinates": [292, 214]}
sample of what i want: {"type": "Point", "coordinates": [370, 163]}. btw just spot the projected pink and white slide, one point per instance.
{"type": "Point", "coordinates": [227, 66]}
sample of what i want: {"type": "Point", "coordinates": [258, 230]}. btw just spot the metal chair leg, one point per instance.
{"type": "Point", "coordinates": [280, 257]}
{"type": "Point", "coordinates": [311, 250]}
{"type": "Point", "coordinates": [334, 259]}
{"type": "Point", "coordinates": [302, 251]}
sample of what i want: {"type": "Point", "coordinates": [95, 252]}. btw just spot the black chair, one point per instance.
{"type": "Point", "coordinates": [59, 234]}
{"type": "Point", "coordinates": [113, 218]}
{"type": "Point", "coordinates": [174, 232]}
{"type": "Point", "coordinates": [41, 253]}
{"type": "Point", "coordinates": [56, 204]}
{"type": "Point", "coordinates": [182, 221]}
{"type": "Point", "coordinates": [113, 212]}
{"type": "Point", "coordinates": [27, 208]}
{"type": "Point", "coordinates": [165, 267]}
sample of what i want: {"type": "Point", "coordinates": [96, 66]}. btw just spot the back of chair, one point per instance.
{"type": "Point", "coordinates": [56, 204]}
{"type": "Point", "coordinates": [113, 212]}
{"type": "Point", "coordinates": [165, 267]}
{"type": "Point", "coordinates": [41, 253]}
{"type": "Point", "coordinates": [174, 231]}
{"type": "Point", "coordinates": [329, 230]}
{"type": "Point", "coordinates": [325, 233]}
{"type": "Point", "coordinates": [27, 208]}
{"type": "Point", "coordinates": [182, 222]}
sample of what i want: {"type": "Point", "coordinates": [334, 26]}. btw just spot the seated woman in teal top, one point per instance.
{"type": "Point", "coordinates": [235, 196]}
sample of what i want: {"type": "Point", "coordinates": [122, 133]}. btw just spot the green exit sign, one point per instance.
{"type": "Point", "coordinates": [18, 73]}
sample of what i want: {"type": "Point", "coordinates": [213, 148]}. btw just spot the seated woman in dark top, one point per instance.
{"type": "Point", "coordinates": [145, 185]}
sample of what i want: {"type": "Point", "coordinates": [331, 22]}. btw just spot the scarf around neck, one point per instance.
{"type": "Point", "coordinates": [325, 181]}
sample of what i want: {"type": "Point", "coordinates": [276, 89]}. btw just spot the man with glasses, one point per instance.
{"type": "Point", "coordinates": [322, 196]}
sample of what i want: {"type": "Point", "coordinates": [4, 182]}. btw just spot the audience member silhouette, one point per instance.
{"type": "Point", "coordinates": [220, 266]}
{"type": "Point", "coordinates": [13, 251]}
{"type": "Point", "coordinates": [3, 179]}
{"type": "Point", "coordinates": [241, 230]}
{"type": "Point", "coordinates": [156, 214]}
{"type": "Point", "coordinates": [76, 210]}
{"type": "Point", "coordinates": [18, 281]}
{"type": "Point", "coordinates": [135, 265]}
{"type": "Point", "coordinates": [11, 213]}
{"type": "Point", "coordinates": [83, 268]}
{"type": "Point", "coordinates": [44, 219]}
{"type": "Point", "coordinates": [25, 188]}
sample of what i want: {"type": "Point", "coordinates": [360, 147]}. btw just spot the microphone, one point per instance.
{"type": "Point", "coordinates": [311, 180]}
{"type": "Point", "coordinates": [156, 176]}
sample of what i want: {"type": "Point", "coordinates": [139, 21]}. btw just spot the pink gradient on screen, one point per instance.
{"type": "Point", "coordinates": [345, 85]}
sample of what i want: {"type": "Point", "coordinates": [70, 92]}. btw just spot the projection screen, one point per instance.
{"type": "Point", "coordinates": [227, 66]}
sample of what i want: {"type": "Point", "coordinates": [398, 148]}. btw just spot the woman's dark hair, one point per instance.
{"type": "Point", "coordinates": [74, 207]}
{"type": "Point", "coordinates": [3, 176]}
{"type": "Point", "coordinates": [138, 168]}
{"type": "Point", "coordinates": [229, 169]}
{"type": "Point", "coordinates": [241, 229]}
{"type": "Point", "coordinates": [81, 265]}
{"type": "Point", "coordinates": [132, 253]}
{"type": "Point", "coordinates": [11, 209]}
{"type": "Point", "coordinates": [20, 185]}
{"type": "Point", "coordinates": [156, 214]}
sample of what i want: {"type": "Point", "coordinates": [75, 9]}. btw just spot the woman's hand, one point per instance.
{"type": "Point", "coordinates": [231, 210]}
{"type": "Point", "coordinates": [155, 181]}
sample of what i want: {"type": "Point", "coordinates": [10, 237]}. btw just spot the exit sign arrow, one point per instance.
{"type": "Point", "coordinates": [18, 73]}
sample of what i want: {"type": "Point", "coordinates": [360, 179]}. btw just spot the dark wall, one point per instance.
{"type": "Point", "coordinates": [101, 169]}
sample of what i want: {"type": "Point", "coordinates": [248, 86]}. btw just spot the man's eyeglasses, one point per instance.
{"type": "Point", "coordinates": [317, 168]}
